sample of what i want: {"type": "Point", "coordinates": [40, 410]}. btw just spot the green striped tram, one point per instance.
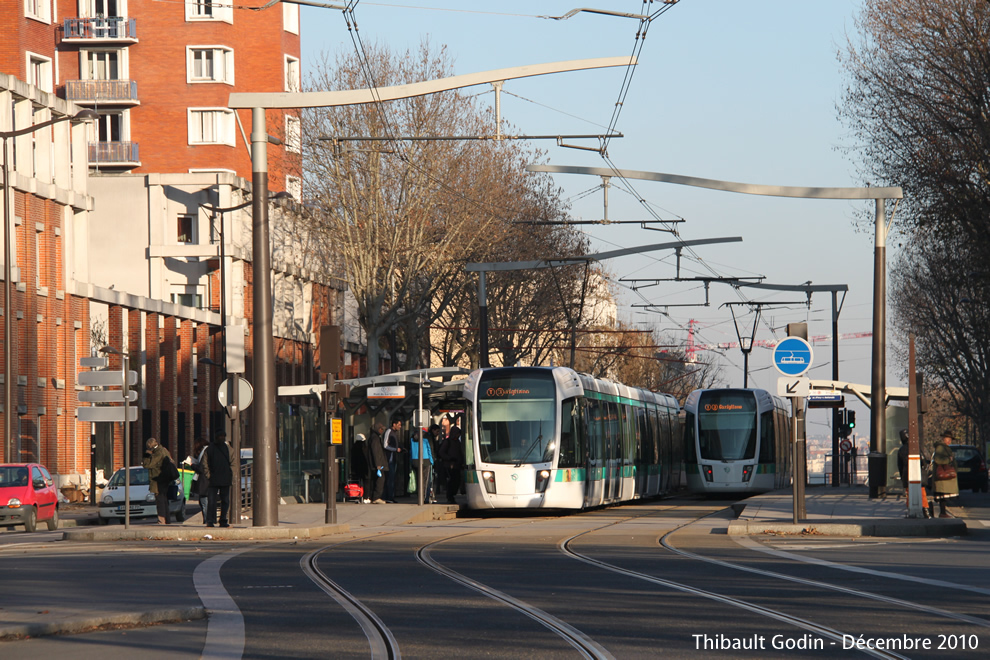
{"type": "Point", "coordinates": [549, 437]}
{"type": "Point", "coordinates": [736, 441]}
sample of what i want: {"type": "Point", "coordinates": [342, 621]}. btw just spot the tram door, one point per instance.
{"type": "Point", "coordinates": [613, 452]}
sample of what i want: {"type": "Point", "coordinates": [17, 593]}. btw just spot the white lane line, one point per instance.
{"type": "Point", "coordinates": [746, 542]}
{"type": "Point", "coordinates": [225, 627]}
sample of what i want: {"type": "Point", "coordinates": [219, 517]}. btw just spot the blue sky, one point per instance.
{"type": "Point", "coordinates": [740, 91]}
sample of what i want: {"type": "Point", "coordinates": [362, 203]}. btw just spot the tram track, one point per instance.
{"type": "Point", "coordinates": [382, 642]}
{"type": "Point", "coordinates": [799, 622]}
{"type": "Point", "coordinates": [586, 646]}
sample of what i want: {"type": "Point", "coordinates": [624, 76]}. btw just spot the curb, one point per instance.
{"type": "Point", "coordinates": [180, 532]}
{"type": "Point", "coordinates": [883, 527]}
{"type": "Point", "coordinates": [84, 624]}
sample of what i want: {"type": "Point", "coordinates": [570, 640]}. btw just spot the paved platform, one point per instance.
{"type": "Point", "coordinates": [295, 521]}
{"type": "Point", "coordinates": [843, 511]}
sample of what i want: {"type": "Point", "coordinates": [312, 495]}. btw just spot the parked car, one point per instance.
{"type": "Point", "coordinates": [27, 495]}
{"type": "Point", "coordinates": [142, 499]}
{"type": "Point", "coordinates": [971, 468]}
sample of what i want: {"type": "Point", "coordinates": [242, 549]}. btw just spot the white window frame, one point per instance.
{"type": "Point", "coordinates": [222, 10]}
{"type": "Point", "coordinates": [191, 219]}
{"type": "Point", "coordinates": [224, 129]}
{"type": "Point", "coordinates": [222, 54]}
{"type": "Point", "coordinates": [293, 80]}
{"type": "Point", "coordinates": [290, 17]}
{"type": "Point", "coordinates": [48, 71]}
{"type": "Point", "coordinates": [195, 290]}
{"type": "Point", "coordinates": [293, 134]}
{"type": "Point", "coordinates": [87, 9]}
{"type": "Point", "coordinates": [39, 10]}
{"type": "Point", "coordinates": [293, 186]}
{"type": "Point", "coordinates": [85, 56]}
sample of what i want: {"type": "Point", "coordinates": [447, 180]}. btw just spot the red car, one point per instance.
{"type": "Point", "coordinates": [27, 495]}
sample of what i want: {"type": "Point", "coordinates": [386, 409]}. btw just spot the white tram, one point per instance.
{"type": "Point", "coordinates": [549, 437]}
{"type": "Point", "coordinates": [736, 441]}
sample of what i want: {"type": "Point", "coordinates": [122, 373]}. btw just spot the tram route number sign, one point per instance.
{"type": "Point", "coordinates": [793, 386]}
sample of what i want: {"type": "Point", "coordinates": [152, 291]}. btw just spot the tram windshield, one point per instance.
{"type": "Point", "coordinates": [727, 426]}
{"type": "Point", "coordinates": [516, 417]}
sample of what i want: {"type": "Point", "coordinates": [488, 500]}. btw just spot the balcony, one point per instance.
{"type": "Point", "coordinates": [104, 30]}
{"type": "Point", "coordinates": [114, 154]}
{"type": "Point", "coordinates": [104, 92]}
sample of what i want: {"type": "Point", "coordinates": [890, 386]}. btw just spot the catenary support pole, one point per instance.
{"type": "Point", "coordinates": [877, 461]}
{"type": "Point", "coordinates": [265, 487]}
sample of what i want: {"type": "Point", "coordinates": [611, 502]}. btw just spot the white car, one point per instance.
{"type": "Point", "coordinates": [142, 499]}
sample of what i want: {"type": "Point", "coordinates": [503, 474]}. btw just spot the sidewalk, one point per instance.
{"type": "Point", "coordinates": [295, 521]}
{"type": "Point", "coordinates": [844, 511]}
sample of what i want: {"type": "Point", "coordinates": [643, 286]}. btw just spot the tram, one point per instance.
{"type": "Point", "coordinates": [736, 441]}
{"type": "Point", "coordinates": [551, 438]}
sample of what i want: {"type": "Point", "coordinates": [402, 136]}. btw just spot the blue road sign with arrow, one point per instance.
{"type": "Point", "coordinates": [792, 356]}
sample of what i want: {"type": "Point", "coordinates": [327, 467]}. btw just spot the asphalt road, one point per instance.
{"type": "Point", "coordinates": [638, 581]}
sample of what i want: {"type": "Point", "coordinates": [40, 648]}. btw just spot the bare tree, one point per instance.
{"type": "Point", "coordinates": [917, 102]}
{"type": "Point", "coordinates": [401, 214]}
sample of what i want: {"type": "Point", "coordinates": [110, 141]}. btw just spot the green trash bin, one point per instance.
{"type": "Point", "coordinates": [187, 479]}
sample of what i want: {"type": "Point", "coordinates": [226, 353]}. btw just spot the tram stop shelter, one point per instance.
{"type": "Point", "coordinates": [302, 431]}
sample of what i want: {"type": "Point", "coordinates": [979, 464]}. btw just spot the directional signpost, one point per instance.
{"type": "Point", "coordinates": [793, 357]}
{"type": "Point", "coordinates": [125, 413]}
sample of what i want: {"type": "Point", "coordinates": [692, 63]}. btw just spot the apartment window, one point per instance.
{"type": "Point", "coordinates": [293, 134]}
{"type": "Point", "coordinates": [210, 64]}
{"type": "Point", "coordinates": [293, 186]}
{"type": "Point", "coordinates": [39, 72]}
{"type": "Point", "coordinates": [184, 227]}
{"type": "Point", "coordinates": [102, 64]}
{"type": "Point", "coordinates": [110, 127]}
{"type": "Point", "coordinates": [40, 10]}
{"type": "Point", "coordinates": [211, 126]}
{"type": "Point", "coordinates": [210, 10]}
{"type": "Point", "coordinates": [188, 299]}
{"type": "Point", "coordinates": [290, 18]}
{"type": "Point", "coordinates": [291, 74]}
{"type": "Point", "coordinates": [106, 8]}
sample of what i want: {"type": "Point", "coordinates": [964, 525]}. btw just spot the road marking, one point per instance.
{"type": "Point", "coordinates": [746, 542]}
{"type": "Point", "coordinates": [225, 626]}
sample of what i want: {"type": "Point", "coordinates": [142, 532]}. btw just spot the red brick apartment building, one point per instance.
{"type": "Point", "coordinates": [128, 255]}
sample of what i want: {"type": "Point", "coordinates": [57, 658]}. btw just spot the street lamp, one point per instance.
{"type": "Point", "coordinates": [82, 115]}
{"type": "Point", "coordinates": [233, 385]}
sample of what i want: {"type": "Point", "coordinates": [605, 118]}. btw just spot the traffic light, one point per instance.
{"type": "Point", "coordinates": [844, 425]}
{"type": "Point", "coordinates": [851, 419]}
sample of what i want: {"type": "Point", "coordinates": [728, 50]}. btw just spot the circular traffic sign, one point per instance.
{"type": "Point", "coordinates": [845, 445]}
{"type": "Point", "coordinates": [245, 393]}
{"type": "Point", "coordinates": [792, 356]}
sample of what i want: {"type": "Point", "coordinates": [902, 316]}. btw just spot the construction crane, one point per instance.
{"type": "Point", "coordinates": [693, 348]}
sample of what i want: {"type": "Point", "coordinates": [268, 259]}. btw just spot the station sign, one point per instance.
{"type": "Point", "coordinates": [826, 400]}
{"type": "Point", "coordinates": [106, 413]}
{"type": "Point", "coordinates": [387, 392]}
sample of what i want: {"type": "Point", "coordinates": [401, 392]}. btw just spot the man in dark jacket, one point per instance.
{"type": "Point", "coordinates": [379, 463]}
{"type": "Point", "coordinates": [220, 471]}
{"type": "Point", "coordinates": [451, 455]}
{"type": "Point", "coordinates": [154, 455]}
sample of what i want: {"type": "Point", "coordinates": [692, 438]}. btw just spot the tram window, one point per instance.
{"type": "Point", "coordinates": [727, 426]}
{"type": "Point", "coordinates": [766, 437]}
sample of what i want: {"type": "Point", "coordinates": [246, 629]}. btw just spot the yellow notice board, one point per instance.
{"type": "Point", "coordinates": [336, 431]}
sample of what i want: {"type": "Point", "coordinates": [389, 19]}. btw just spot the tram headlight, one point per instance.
{"type": "Point", "coordinates": [707, 471]}
{"type": "Point", "coordinates": [488, 478]}
{"type": "Point", "coordinates": [542, 479]}
{"type": "Point", "coordinates": [747, 472]}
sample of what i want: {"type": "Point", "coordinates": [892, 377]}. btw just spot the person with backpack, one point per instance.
{"type": "Point", "coordinates": [161, 473]}
{"type": "Point", "coordinates": [219, 470]}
